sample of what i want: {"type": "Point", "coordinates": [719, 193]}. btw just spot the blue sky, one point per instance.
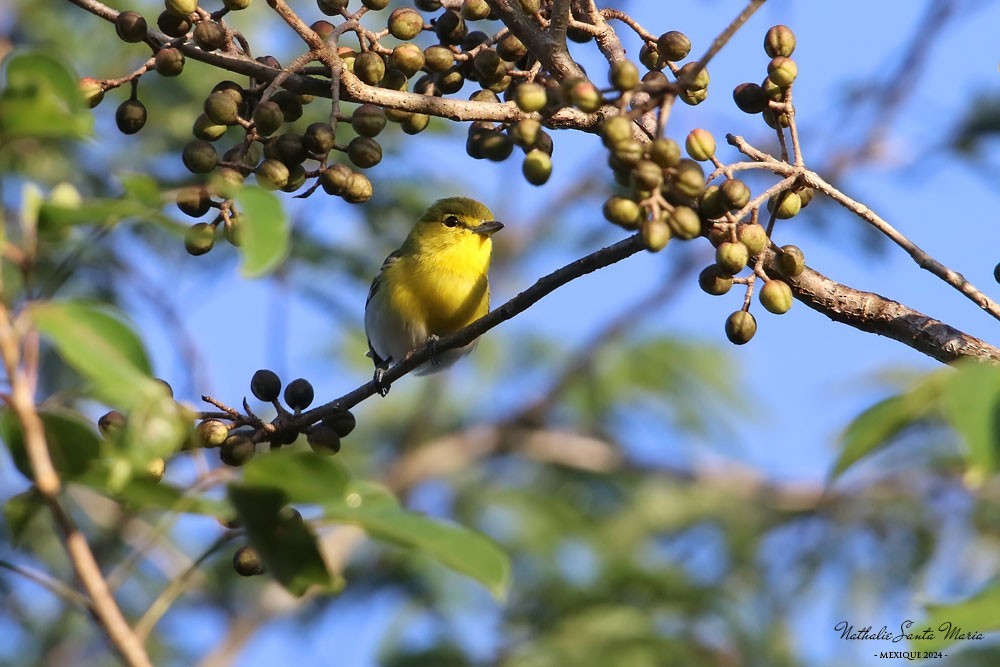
{"type": "Point", "coordinates": [942, 204]}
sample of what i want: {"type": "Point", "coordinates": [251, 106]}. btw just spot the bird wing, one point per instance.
{"type": "Point", "coordinates": [389, 261]}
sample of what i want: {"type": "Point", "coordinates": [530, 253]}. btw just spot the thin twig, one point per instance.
{"type": "Point", "coordinates": [161, 605]}
{"type": "Point", "coordinates": [51, 584]}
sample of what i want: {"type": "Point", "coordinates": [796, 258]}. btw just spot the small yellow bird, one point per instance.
{"type": "Point", "coordinates": [434, 285]}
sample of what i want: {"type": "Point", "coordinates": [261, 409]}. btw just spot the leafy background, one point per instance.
{"type": "Point", "coordinates": [664, 499]}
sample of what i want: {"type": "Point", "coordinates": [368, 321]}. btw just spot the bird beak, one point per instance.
{"type": "Point", "coordinates": [487, 228]}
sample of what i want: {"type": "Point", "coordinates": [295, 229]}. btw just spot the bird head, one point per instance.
{"type": "Point", "coordinates": [455, 220]}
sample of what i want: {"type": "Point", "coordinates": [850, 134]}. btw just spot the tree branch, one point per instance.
{"type": "Point", "coordinates": [518, 304]}
{"type": "Point", "coordinates": [104, 609]}
{"type": "Point", "coordinates": [920, 256]}
{"type": "Point", "coordinates": [876, 314]}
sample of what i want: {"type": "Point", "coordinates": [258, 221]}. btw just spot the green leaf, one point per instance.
{"type": "Point", "coordinates": [952, 623]}
{"type": "Point", "coordinates": [72, 442]}
{"type": "Point", "coordinates": [304, 477]}
{"type": "Point", "coordinates": [285, 543]}
{"type": "Point", "coordinates": [307, 477]}
{"type": "Point", "coordinates": [19, 510]}
{"type": "Point", "coordinates": [876, 427]}
{"type": "Point", "coordinates": [376, 510]}
{"type": "Point", "coordinates": [41, 99]}
{"type": "Point", "coordinates": [99, 345]}
{"type": "Point", "coordinates": [28, 71]}
{"type": "Point", "coordinates": [264, 231]}
{"type": "Point", "coordinates": [971, 403]}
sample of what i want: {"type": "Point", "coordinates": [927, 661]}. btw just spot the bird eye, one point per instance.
{"type": "Point", "coordinates": [451, 221]}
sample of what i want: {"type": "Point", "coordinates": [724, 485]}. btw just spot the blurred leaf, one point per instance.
{"type": "Point", "coordinates": [99, 212]}
{"type": "Point", "coordinates": [41, 100]}
{"type": "Point", "coordinates": [375, 509]}
{"type": "Point", "coordinates": [143, 492]}
{"type": "Point", "coordinates": [101, 347]}
{"type": "Point", "coordinates": [971, 403]}
{"type": "Point", "coordinates": [264, 231]}
{"type": "Point", "coordinates": [953, 622]}
{"type": "Point", "coordinates": [307, 477]}
{"type": "Point", "coordinates": [876, 427]}
{"type": "Point", "coordinates": [981, 122]}
{"type": "Point", "coordinates": [304, 477]}
{"type": "Point", "coordinates": [285, 543]}
{"type": "Point", "coordinates": [19, 510]}
{"type": "Point", "coordinates": [143, 189]}
{"type": "Point", "coordinates": [72, 442]}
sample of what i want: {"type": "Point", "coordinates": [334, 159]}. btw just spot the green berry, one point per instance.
{"type": "Point", "coordinates": [732, 257]}
{"type": "Point", "coordinates": [407, 58]}
{"type": "Point", "coordinates": [181, 7]}
{"type": "Point", "coordinates": [788, 207]}
{"type": "Point", "coordinates": [684, 222]}
{"type": "Point", "coordinates": [438, 58]}
{"type": "Point", "coordinates": [623, 212]}
{"type": "Point", "coordinates": [740, 327]}
{"type": "Point", "coordinates": [405, 23]}
{"type": "Point", "coordinates": [221, 108]}
{"type": "Point", "coordinates": [779, 41]}
{"type": "Point", "coordinates": [530, 97]}
{"type": "Point", "coordinates": [247, 562]}
{"type": "Point", "coordinates": [272, 174]}
{"type": "Point", "coordinates": [753, 237]}
{"type": "Point", "coordinates": [199, 238]}
{"type": "Point", "coordinates": [169, 62]}
{"type": "Point", "coordinates": [782, 71]}
{"type": "Point", "coordinates": [537, 167]}
{"type": "Point", "coordinates": [209, 35]}
{"type": "Point", "coordinates": [655, 234]}
{"type": "Point", "coordinates": [776, 296]}
{"type": "Point", "coordinates": [194, 202]}
{"type": "Point", "coordinates": [173, 25]}
{"type": "Point", "coordinates": [700, 145]}
{"type": "Point", "coordinates": [200, 157]}
{"type": "Point", "coordinates": [369, 67]}
{"type": "Point", "coordinates": [131, 27]}
{"type": "Point", "coordinates": [615, 129]}
{"type": "Point", "coordinates": [130, 117]}
{"type": "Point", "coordinates": [212, 432]}
{"type": "Point", "coordinates": [268, 118]}
{"type": "Point", "coordinates": [364, 152]}
{"type": "Point", "coordinates": [735, 194]}
{"type": "Point", "coordinates": [791, 262]}
{"type": "Point", "coordinates": [357, 189]}
{"type": "Point", "coordinates": [319, 138]}
{"type": "Point", "coordinates": [673, 46]}
{"type": "Point", "coordinates": [368, 120]}
{"type": "Point", "coordinates": [664, 152]}
{"type": "Point", "coordinates": [714, 281]}
{"type": "Point", "coordinates": [237, 450]}
{"type": "Point", "coordinates": [624, 75]}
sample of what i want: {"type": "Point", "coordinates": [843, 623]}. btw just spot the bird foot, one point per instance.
{"type": "Point", "coordinates": [379, 380]}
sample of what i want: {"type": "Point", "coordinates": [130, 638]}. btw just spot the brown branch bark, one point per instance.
{"type": "Point", "coordinates": [873, 313]}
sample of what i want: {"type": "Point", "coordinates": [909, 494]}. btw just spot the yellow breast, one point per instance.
{"type": "Point", "coordinates": [446, 289]}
